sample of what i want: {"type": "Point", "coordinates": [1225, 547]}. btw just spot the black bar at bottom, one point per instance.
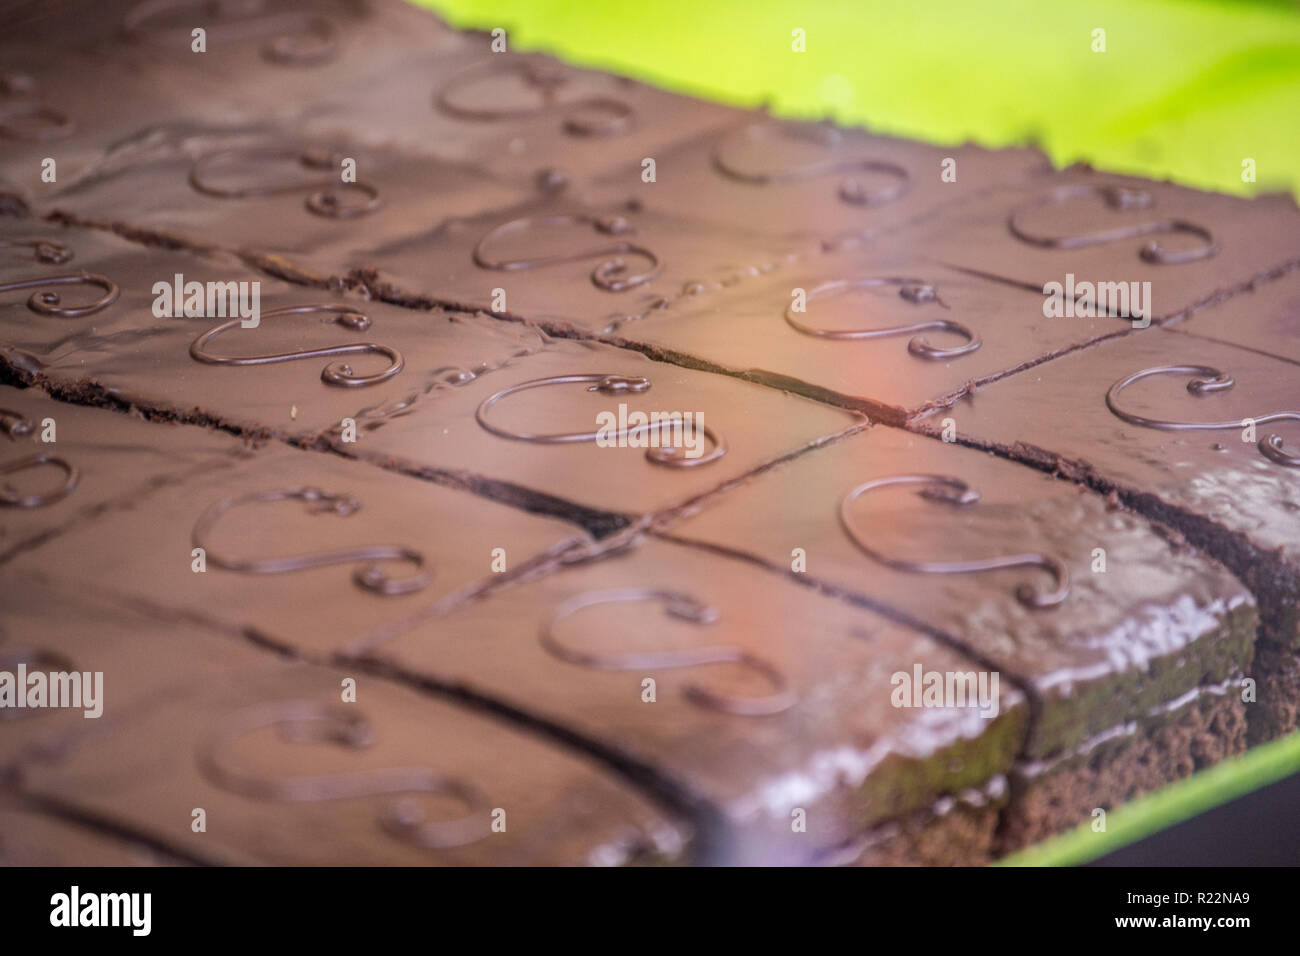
{"type": "Point", "coordinates": [440, 907]}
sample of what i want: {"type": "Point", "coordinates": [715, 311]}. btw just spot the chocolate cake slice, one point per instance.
{"type": "Point", "coordinates": [1265, 318]}
{"type": "Point", "coordinates": [168, 83]}
{"type": "Point", "coordinates": [1081, 226]}
{"type": "Point", "coordinates": [569, 265]}
{"type": "Point", "coordinates": [57, 129]}
{"type": "Point", "coordinates": [574, 422]}
{"type": "Point", "coordinates": [300, 551]}
{"type": "Point", "coordinates": [891, 336]}
{"type": "Point", "coordinates": [285, 772]}
{"type": "Point", "coordinates": [1192, 433]}
{"type": "Point", "coordinates": [799, 726]}
{"type": "Point", "coordinates": [1132, 649]}
{"type": "Point", "coordinates": [62, 465]}
{"type": "Point", "coordinates": [784, 178]}
{"type": "Point", "coordinates": [76, 662]}
{"type": "Point", "coordinates": [298, 50]}
{"type": "Point", "coordinates": [278, 360]}
{"type": "Point", "coordinates": [61, 289]}
{"type": "Point", "coordinates": [277, 195]}
{"type": "Point", "coordinates": [520, 116]}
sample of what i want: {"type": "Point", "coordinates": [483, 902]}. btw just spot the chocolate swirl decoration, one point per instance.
{"type": "Point", "coordinates": [850, 190]}
{"type": "Point", "coordinates": [1122, 199]}
{"type": "Point", "coordinates": [327, 195]}
{"type": "Point", "coordinates": [683, 607]}
{"type": "Point", "coordinates": [612, 275]}
{"type": "Point", "coordinates": [915, 291]}
{"type": "Point", "coordinates": [15, 425]}
{"type": "Point", "coordinates": [314, 42]}
{"type": "Point", "coordinates": [335, 373]}
{"type": "Point", "coordinates": [314, 722]}
{"type": "Point", "coordinates": [298, 37]}
{"type": "Point", "coordinates": [48, 303]}
{"type": "Point", "coordinates": [33, 122]}
{"type": "Point", "coordinates": [608, 385]}
{"type": "Point", "coordinates": [1206, 381]}
{"type": "Point", "coordinates": [27, 120]}
{"type": "Point", "coordinates": [45, 251]}
{"type": "Point", "coordinates": [954, 492]}
{"type": "Point", "coordinates": [592, 116]}
{"type": "Point", "coordinates": [369, 576]}
{"type": "Point", "coordinates": [10, 498]}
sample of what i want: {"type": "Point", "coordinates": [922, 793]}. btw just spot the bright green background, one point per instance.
{"type": "Point", "coordinates": [1185, 90]}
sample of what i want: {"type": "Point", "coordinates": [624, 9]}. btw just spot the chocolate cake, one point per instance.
{"type": "Point", "coordinates": [1188, 431]}
{"type": "Point", "coordinates": [1266, 318]}
{"type": "Point", "coordinates": [394, 778]}
{"type": "Point", "coordinates": [893, 336]}
{"type": "Point", "coordinates": [425, 452]}
{"type": "Point", "coordinates": [251, 379]}
{"type": "Point", "coordinates": [300, 551]}
{"type": "Point", "coordinates": [1114, 633]}
{"type": "Point", "coordinates": [66, 464]}
{"type": "Point", "coordinates": [768, 705]}
{"type": "Point", "coordinates": [800, 179]}
{"type": "Point", "coordinates": [1195, 248]}
{"type": "Point", "coordinates": [516, 425]}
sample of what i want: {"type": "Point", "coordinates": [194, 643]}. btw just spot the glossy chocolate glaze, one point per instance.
{"type": "Point", "coordinates": [1157, 622]}
{"type": "Point", "coordinates": [57, 115]}
{"type": "Point", "coordinates": [839, 749]}
{"type": "Point", "coordinates": [755, 424]}
{"type": "Point", "coordinates": [98, 460]}
{"type": "Point", "coordinates": [950, 331]}
{"type": "Point", "coordinates": [435, 91]}
{"type": "Point", "coordinates": [1265, 318]}
{"type": "Point", "coordinates": [382, 531]}
{"type": "Point", "coordinates": [1195, 248]}
{"type": "Point", "coordinates": [1222, 492]}
{"type": "Point", "coordinates": [568, 264]}
{"type": "Point", "coordinates": [406, 778]}
{"type": "Point", "coordinates": [60, 623]}
{"type": "Point", "coordinates": [791, 179]}
{"type": "Point", "coordinates": [124, 353]}
{"type": "Point", "coordinates": [517, 115]}
{"type": "Point", "coordinates": [278, 194]}
{"type": "Point", "coordinates": [142, 51]}
{"type": "Point", "coordinates": [117, 302]}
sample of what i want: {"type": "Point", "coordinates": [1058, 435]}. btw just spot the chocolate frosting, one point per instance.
{"type": "Point", "coordinates": [97, 460]}
{"type": "Point", "coordinates": [305, 550]}
{"type": "Point", "coordinates": [750, 426]}
{"type": "Point", "coordinates": [1157, 621]}
{"type": "Point", "coordinates": [1195, 248]}
{"type": "Point", "coordinates": [788, 716]}
{"type": "Point", "coordinates": [396, 778]}
{"type": "Point", "coordinates": [796, 179]}
{"type": "Point", "coordinates": [894, 337]}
